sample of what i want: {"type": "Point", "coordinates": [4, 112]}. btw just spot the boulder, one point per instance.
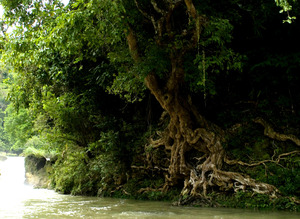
{"type": "Point", "coordinates": [37, 170]}
{"type": "Point", "coordinates": [3, 158]}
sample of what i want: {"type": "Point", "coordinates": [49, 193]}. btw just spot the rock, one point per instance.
{"type": "Point", "coordinates": [37, 171]}
{"type": "Point", "coordinates": [3, 158]}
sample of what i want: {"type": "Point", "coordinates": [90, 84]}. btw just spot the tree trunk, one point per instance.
{"type": "Point", "coordinates": [188, 130]}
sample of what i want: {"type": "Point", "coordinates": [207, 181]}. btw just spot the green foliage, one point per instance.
{"type": "Point", "coordinates": [78, 174]}
{"type": "Point", "coordinates": [18, 126]}
{"type": "Point", "coordinates": [286, 7]}
{"type": "Point", "coordinates": [3, 146]}
{"type": "Point", "coordinates": [128, 86]}
{"type": "Point", "coordinates": [256, 201]}
{"type": "Point", "coordinates": [99, 167]}
{"type": "Point", "coordinates": [214, 56]}
{"type": "Point", "coordinates": [286, 179]}
{"type": "Point", "coordinates": [155, 60]}
{"type": "Point", "coordinates": [4, 143]}
{"type": "Point", "coordinates": [71, 174]}
{"type": "Point", "coordinates": [32, 150]}
{"type": "Point", "coordinates": [133, 187]}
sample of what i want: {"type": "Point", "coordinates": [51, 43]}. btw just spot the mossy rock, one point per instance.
{"type": "Point", "coordinates": [3, 158]}
{"type": "Point", "coordinates": [37, 170]}
{"type": "Point", "coordinates": [34, 163]}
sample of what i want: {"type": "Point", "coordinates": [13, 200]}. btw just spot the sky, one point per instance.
{"type": "Point", "coordinates": [65, 2]}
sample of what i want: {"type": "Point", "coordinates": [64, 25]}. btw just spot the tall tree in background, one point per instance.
{"type": "Point", "coordinates": [4, 145]}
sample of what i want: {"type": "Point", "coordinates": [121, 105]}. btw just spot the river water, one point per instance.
{"type": "Point", "coordinates": [18, 200]}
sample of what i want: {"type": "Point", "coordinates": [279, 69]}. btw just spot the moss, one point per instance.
{"type": "Point", "coordinates": [38, 170]}
{"type": "Point", "coordinates": [255, 201]}
{"type": "Point", "coordinates": [147, 189]}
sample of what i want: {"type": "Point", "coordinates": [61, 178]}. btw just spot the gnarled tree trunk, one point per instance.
{"type": "Point", "coordinates": [188, 129]}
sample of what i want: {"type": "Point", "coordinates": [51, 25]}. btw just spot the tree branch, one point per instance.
{"type": "Point", "coordinates": [271, 133]}
{"type": "Point", "coordinates": [133, 45]}
{"type": "Point", "coordinates": [155, 6]}
{"type": "Point", "coordinates": [140, 9]}
{"type": "Point", "coordinates": [191, 8]}
{"type": "Point", "coordinates": [148, 16]}
{"type": "Point", "coordinates": [150, 80]}
{"type": "Point", "coordinates": [280, 157]}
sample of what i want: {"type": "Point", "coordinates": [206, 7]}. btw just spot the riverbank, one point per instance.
{"type": "Point", "coordinates": [80, 178]}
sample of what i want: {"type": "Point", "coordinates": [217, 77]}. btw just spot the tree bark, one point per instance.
{"type": "Point", "coordinates": [185, 132]}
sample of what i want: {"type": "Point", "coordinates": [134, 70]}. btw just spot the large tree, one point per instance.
{"type": "Point", "coordinates": [176, 32]}
{"type": "Point", "coordinates": [179, 29]}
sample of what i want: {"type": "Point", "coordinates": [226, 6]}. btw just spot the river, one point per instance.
{"type": "Point", "coordinates": [18, 200]}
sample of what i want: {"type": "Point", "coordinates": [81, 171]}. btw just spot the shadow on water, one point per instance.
{"type": "Point", "coordinates": [18, 200]}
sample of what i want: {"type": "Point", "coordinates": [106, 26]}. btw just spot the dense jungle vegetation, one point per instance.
{"type": "Point", "coordinates": [192, 101]}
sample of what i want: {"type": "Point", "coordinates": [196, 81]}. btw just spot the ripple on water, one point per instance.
{"type": "Point", "coordinates": [18, 201]}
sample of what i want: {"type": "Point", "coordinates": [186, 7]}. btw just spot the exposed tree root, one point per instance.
{"type": "Point", "coordinates": [263, 162]}
{"type": "Point", "coordinates": [207, 175]}
{"type": "Point", "coordinates": [226, 181]}
{"type": "Point", "coordinates": [196, 201]}
{"type": "Point", "coordinates": [271, 133]}
{"type": "Point", "coordinates": [148, 189]}
{"type": "Point", "coordinates": [148, 168]}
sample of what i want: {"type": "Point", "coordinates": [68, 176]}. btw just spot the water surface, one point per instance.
{"type": "Point", "coordinates": [18, 200]}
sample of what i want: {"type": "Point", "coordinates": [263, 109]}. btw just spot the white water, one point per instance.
{"type": "Point", "coordinates": [18, 200]}
{"type": "Point", "coordinates": [14, 193]}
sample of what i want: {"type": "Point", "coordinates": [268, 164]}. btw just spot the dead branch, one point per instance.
{"type": "Point", "coordinates": [148, 189]}
{"type": "Point", "coordinates": [159, 10]}
{"type": "Point", "coordinates": [125, 192]}
{"type": "Point", "coordinates": [271, 133]}
{"type": "Point", "coordinates": [294, 199]}
{"type": "Point", "coordinates": [263, 162]}
{"type": "Point", "coordinates": [156, 143]}
{"type": "Point", "coordinates": [147, 15]}
{"type": "Point", "coordinates": [235, 128]}
{"type": "Point", "coordinates": [116, 189]}
{"type": "Point", "coordinates": [149, 168]}
{"type": "Point", "coordinates": [141, 10]}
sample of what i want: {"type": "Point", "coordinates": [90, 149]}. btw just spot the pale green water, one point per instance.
{"type": "Point", "coordinates": [20, 201]}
